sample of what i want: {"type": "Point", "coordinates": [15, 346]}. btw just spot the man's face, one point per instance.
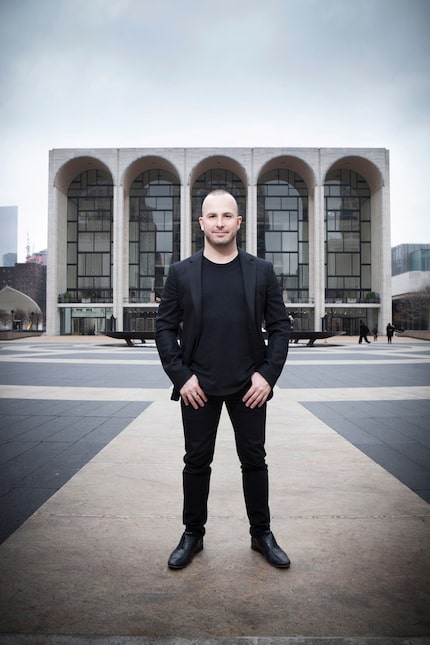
{"type": "Point", "coordinates": [220, 221]}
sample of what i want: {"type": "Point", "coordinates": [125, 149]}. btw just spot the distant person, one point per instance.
{"type": "Point", "coordinates": [390, 332]}
{"type": "Point", "coordinates": [364, 330]}
{"type": "Point", "coordinates": [375, 333]}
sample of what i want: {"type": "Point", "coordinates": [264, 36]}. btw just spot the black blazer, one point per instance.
{"type": "Point", "coordinates": [178, 324]}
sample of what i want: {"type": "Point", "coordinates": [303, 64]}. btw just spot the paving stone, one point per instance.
{"type": "Point", "coordinates": [88, 527]}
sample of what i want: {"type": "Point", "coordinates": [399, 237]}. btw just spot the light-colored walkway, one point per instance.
{"type": "Point", "coordinates": [92, 560]}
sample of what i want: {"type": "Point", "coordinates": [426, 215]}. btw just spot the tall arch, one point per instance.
{"type": "Point", "coordinates": [61, 232]}
{"type": "Point", "coordinates": [211, 174]}
{"type": "Point", "coordinates": [153, 232]}
{"type": "Point", "coordinates": [347, 219]}
{"type": "Point", "coordinates": [283, 231]}
{"type": "Point", "coordinates": [353, 217]}
{"type": "Point", "coordinates": [90, 236]}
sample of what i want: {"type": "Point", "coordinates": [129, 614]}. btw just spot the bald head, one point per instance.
{"type": "Point", "coordinates": [220, 223]}
{"type": "Point", "coordinates": [215, 195]}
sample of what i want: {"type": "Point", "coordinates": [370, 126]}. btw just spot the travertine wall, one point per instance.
{"type": "Point", "coordinates": [312, 164]}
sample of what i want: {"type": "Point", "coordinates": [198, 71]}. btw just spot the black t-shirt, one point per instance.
{"type": "Point", "coordinates": [223, 359]}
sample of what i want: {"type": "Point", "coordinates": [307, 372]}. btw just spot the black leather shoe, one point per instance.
{"type": "Point", "coordinates": [188, 546]}
{"type": "Point", "coordinates": [267, 545]}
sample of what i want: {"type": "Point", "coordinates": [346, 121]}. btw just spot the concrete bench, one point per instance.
{"type": "Point", "coordinates": [312, 336]}
{"type": "Point", "coordinates": [130, 336]}
{"type": "Point", "coordinates": [295, 336]}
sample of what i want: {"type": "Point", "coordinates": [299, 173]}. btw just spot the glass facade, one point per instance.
{"type": "Point", "coordinates": [283, 230]}
{"type": "Point", "coordinates": [89, 237]}
{"type": "Point", "coordinates": [347, 237]}
{"type": "Point", "coordinates": [410, 257]}
{"type": "Point", "coordinates": [83, 321]}
{"type": "Point", "coordinates": [118, 220]}
{"type": "Point", "coordinates": [212, 180]}
{"type": "Point", "coordinates": [154, 233]}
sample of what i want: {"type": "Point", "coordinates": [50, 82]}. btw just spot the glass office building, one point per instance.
{"type": "Point", "coordinates": [118, 218]}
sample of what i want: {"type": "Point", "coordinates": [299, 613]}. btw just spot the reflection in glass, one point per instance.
{"type": "Point", "coordinates": [347, 236]}
{"type": "Point", "coordinates": [154, 233]}
{"type": "Point", "coordinates": [89, 236]}
{"type": "Point", "coordinates": [282, 230]}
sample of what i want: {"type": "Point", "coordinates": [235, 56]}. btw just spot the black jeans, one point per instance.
{"type": "Point", "coordinates": [200, 430]}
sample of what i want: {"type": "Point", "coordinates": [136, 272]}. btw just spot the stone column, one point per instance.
{"type": "Point", "coordinates": [57, 259]}
{"type": "Point", "coordinates": [52, 313]}
{"type": "Point", "coordinates": [381, 254]}
{"type": "Point", "coordinates": [251, 220]}
{"type": "Point", "coordinates": [185, 221]}
{"type": "Point", "coordinates": [316, 256]}
{"type": "Point", "coordinates": [120, 254]}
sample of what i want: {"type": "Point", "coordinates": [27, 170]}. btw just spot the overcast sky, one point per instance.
{"type": "Point", "coordinates": [143, 73]}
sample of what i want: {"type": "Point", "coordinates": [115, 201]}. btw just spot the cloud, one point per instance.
{"type": "Point", "coordinates": [111, 73]}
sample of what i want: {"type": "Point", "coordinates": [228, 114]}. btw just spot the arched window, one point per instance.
{"type": "Point", "coordinates": [283, 230]}
{"type": "Point", "coordinates": [212, 180]}
{"type": "Point", "coordinates": [154, 232]}
{"type": "Point", "coordinates": [348, 236]}
{"type": "Point", "coordinates": [89, 236]}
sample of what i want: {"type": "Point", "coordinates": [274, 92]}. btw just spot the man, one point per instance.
{"type": "Point", "coordinates": [217, 301]}
{"type": "Point", "coordinates": [364, 330]}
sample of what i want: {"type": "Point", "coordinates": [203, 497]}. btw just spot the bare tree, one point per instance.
{"type": "Point", "coordinates": [413, 310]}
{"type": "Point", "coordinates": [21, 316]}
{"type": "Point", "coordinates": [4, 317]}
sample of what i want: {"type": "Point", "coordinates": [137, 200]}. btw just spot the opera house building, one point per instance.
{"type": "Point", "coordinates": [118, 217]}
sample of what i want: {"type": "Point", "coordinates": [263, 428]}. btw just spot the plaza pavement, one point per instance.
{"type": "Point", "coordinates": [90, 507]}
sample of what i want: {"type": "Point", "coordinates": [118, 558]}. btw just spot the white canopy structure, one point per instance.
{"type": "Point", "coordinates": [13, 300]}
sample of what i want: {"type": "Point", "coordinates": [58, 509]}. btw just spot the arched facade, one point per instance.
{"type": "Point", "coordinates": [119, 217]}
{"type": "Point", "coordinates": [283, 233]}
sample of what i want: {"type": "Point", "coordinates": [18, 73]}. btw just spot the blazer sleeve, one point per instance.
{"type": "Point", "coordinates": [277, 327]}
{"type": "Point", "coordinates": [167, 331]}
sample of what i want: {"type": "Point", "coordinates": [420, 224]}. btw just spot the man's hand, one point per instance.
{"type": "Point", "coordinates": [258, 392]}
{"type": "Point", "coordinates": [191, 392]}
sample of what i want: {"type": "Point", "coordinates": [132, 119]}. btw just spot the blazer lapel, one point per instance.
{"type": "Point", "coordinates": [194, 272]}
{"type": "Point", "coordinates": [249, 273]}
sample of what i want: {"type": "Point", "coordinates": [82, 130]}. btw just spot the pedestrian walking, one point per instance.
{"type": "Point", "coordinates": [364, 330]}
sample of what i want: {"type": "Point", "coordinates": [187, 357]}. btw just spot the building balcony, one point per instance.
{"type": "Point", "coordinates": [363, 298]}
{"type": "Point", "coordinates": [74, 296]}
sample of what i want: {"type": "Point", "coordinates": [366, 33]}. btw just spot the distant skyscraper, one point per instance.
{"type": "Point", "coordinates": [8, 235]}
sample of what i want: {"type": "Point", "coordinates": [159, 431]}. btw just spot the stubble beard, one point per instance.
{"type": "Point", "coordinates": [220, 242]}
